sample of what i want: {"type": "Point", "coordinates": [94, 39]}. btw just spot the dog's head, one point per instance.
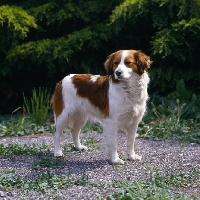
{"type": "Point", "coordinates": [122, 64]}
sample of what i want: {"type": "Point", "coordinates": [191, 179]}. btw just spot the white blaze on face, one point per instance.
{"type": "Point", "coordinates": [125, 71]}
{"type": "Point", "coordinates": [124, 54]}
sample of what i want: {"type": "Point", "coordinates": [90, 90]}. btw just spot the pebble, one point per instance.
{"type": "Point", "coordinates": [9, 194]}
{"type": "Point", "coordinates": [2, 194]}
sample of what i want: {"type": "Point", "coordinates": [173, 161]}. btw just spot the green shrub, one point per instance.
{"type": "Point", "coordinates": [182, 101]}
{"type": "Point", "coordinates": [175, 116]}
{"type": "Point", "coordinates": [38, 106]}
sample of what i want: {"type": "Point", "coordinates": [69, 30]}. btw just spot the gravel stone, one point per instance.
{"type": "Point", "coordinates": [165, 156]}
{"type": "Point", "coordinates": [2, 194]}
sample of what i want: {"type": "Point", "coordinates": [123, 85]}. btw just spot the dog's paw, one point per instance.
{"type": "Point", "coordinates": [81, 147]}
{"type": "Point", "coordinates": [117, 162]}
{"type": "Point", "coordinates": [134, 157]}
{"type": "Point", "coordinates": [58, 154]}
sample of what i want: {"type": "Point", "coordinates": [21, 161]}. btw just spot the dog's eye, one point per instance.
{"type": "Point", "coordinates": [128, 63]}
{"type": "Point", "coordinates": [116, 63]}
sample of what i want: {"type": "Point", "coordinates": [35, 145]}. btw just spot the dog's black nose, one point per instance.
{"type": "Point", "coordinates": [118, 73]}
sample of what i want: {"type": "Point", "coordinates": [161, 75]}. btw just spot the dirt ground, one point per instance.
{"type": "Point", "coordinates": [167, 157]}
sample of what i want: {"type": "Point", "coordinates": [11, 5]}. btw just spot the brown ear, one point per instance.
{"type": "Point", "coordinates": [108, 64]}
{"type": "Point", "coordinates": [143, 62]}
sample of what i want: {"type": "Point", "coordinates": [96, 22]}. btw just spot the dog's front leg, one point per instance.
{"type": "Point", "coordinates": [110, 134]}
{"type": "Point", "coordinates": [131, 132]}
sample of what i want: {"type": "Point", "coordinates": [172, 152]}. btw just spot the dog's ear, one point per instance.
{"type": "Point", "coordinates": [109, 64]}
{"type": "Point", "coordinates": [143, 62]}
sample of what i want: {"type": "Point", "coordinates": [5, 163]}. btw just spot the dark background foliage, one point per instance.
{"type": "Point", "coordinates": [42, 41]}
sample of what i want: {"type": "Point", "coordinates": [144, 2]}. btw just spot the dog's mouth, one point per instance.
{"type": "Point", "coordinates": [119, 77]}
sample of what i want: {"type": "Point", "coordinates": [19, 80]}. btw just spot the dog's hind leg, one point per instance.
{"type": "Point", "coordinates": [61, 123]}
{"type": "Point", "coordinates": [75, 130]}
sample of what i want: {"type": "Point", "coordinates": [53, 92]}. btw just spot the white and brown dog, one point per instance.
{"type": "Point", "coordinates": [117, 100]}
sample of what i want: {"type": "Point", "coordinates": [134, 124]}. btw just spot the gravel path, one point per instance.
{"type": "Point", "coordinates": [166, 156]}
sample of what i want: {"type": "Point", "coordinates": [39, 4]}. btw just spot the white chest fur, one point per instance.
{"type": "Point", "coordinates": [128, 99]}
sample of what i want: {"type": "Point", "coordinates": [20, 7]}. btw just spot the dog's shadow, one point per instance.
{"type": "Point", "coordinates": [44, 161]}
{"type": "Point", "coordinates": [67, 165]}
{"type": "Point", "coordinates": [79, 167]}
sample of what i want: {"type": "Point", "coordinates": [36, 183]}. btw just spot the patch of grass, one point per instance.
{"type": "Point", "coordinates": [176, 116]}
{"type": "Point", "coordinates": [92, 127]}
{"type": "Point", "coordinates": [156, 188]}
{"type": "Point", "coordinates": [189, 137]}
{"type": "Point", "coordinates": [45, 157]}
{"type": "Point", "coordinates": [69, 147]}
{"type": "Point", "coordinates": [43, 183]}
{"type": "Point", "coordinates": [170, 126]}
{"type": "Point", "coordinates": [82, 181]}
{"type": "Point", "coordinates": [11, 126]}
{"type": "Point", "coordinates": [91, 142]}
{"type": "Point", "coordinates": [177, 180]}
{"type": "Point", "coordinates": [38, 106]}
{"type": "Point", "coordinates": [8, 180]}
{"type": "Point", "coordinates": [21, 125]}
{"type": "Point", "coordinates": [49, 162]}
{"type": "Point", "coordinates": [12, 150]}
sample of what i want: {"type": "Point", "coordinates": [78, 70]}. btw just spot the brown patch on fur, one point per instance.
{"type": "Point", "coordinates": [111, 64]}
{"type": "Point", "coordinates": [57, 99]}
{"type": "Point", "coordinates": [96, 91]}
{"type": "Point", "coordinates": [142, 61]}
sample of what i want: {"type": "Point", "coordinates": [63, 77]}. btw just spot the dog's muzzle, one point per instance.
{"type": "Point", "coordinates": [118, 73]}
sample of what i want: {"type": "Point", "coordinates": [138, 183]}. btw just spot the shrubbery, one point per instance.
{"type": "Point", "coordinates": [43, 41]}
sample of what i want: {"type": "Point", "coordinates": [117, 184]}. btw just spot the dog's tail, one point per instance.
{"type": "Point", "coordinates": [57, 100]}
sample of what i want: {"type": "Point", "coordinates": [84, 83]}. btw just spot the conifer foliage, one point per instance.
{"type": "Point", "coordinates": [41, 41]}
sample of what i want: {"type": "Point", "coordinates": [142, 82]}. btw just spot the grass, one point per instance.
{"type": "Point", "coordinates": [176, 116]}
{"type": "Point", "coordinates": [49, 162]}
{"type": "Point", "coordinates": [12, 150]}
{"type": "Point", "coordinates": [170, 126]}
{"type": "Point", "coordinates": [91, 143]}
{"type": "Point", "coordinates": [20, 125]}
{"type": "Point", "coordinates": [9, 180]}
{"type": "Point", "coordinates": [38, 106]}
{"type": "Point", "coordinates": [92, 127]}
{"type": "Point", "coordinates": [156, 187]}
